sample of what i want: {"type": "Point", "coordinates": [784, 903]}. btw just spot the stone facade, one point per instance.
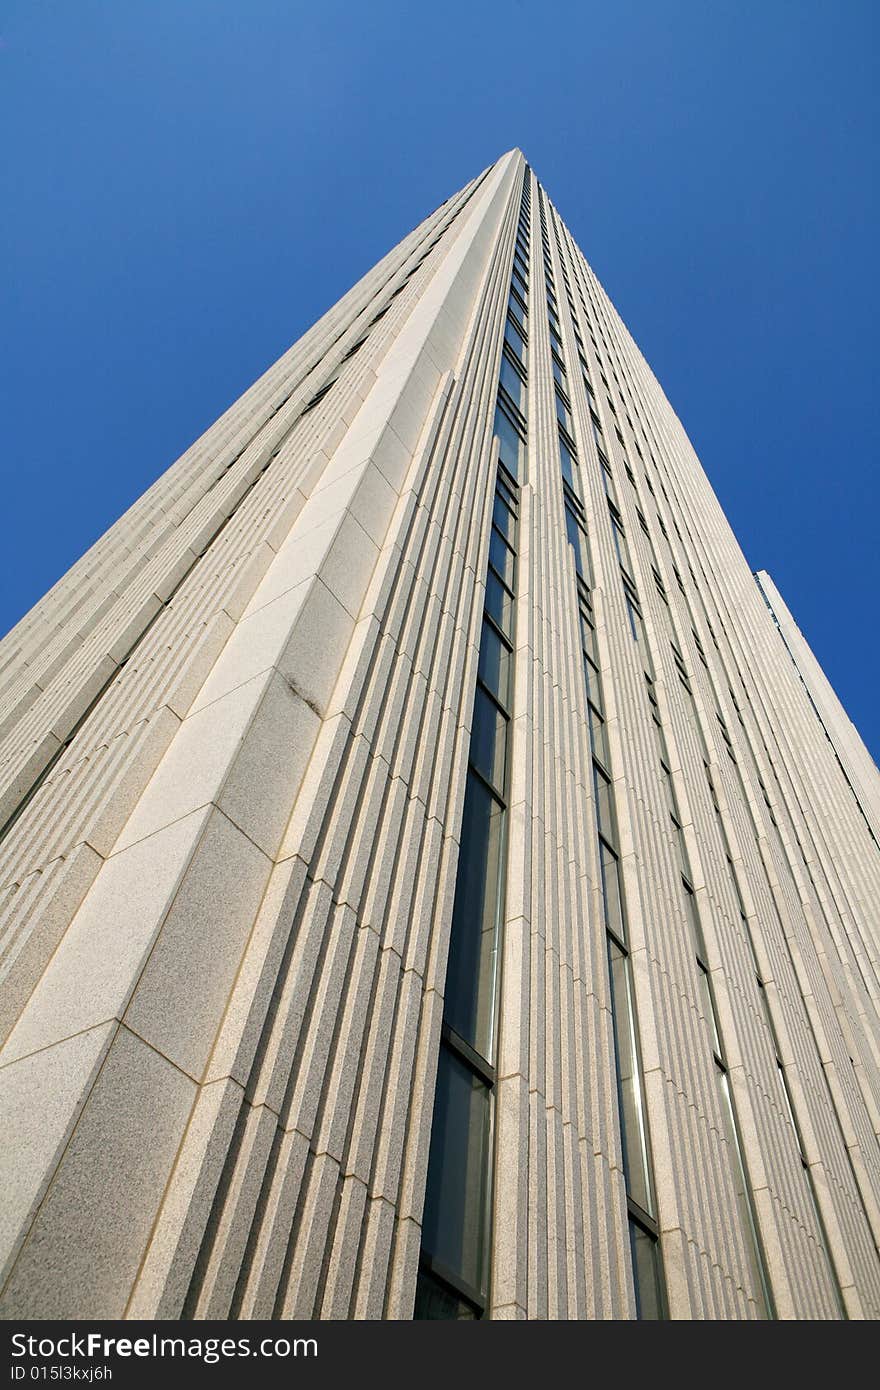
{"type": "Point", "coordinates": [234, 743]}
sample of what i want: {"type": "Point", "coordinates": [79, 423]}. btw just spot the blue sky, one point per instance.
{"type": "Point", "coordinates": [190, 183]}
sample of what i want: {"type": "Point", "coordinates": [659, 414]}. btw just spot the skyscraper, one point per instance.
{"type": "Point", "coordinates": [438, 879]}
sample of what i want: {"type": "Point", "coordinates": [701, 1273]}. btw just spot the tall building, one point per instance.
{"type": "Point", "coordinates": [438, 879]}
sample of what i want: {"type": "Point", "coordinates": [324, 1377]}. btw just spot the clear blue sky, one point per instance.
{"type": "Point", "coordinates": [190, 183]}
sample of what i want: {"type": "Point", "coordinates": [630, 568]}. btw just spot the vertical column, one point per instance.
{"type": "Point", "coordinates": [647, 1268]}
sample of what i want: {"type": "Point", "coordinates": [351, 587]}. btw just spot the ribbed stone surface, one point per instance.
{"type": "Point", "coordinates": [233, 747]}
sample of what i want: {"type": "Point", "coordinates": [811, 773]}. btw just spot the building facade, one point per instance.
{"type": "Point", "coordinates": [437, 878]}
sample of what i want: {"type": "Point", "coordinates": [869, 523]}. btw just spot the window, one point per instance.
{"type": "Point", "coordinates": [693, 921]}
{"type": "Point", "coordinates": [598, 735]}
{"type": "Point", "coordinates": [318, 397]}
{"type": "Point", "coordinates": [608, 480]}
{"type": "Point", "coordinates": [504, 517]}
{"type": "Point", "coordinates": [489, 739]}
{"type": "Point", "coordinates": [454, 1226]}
{"type": "Point", "coordinates": [620, 542]}
{"type": "Point", "coordinates": [499, 603]}
{"type": "Point", "coordinates": [470, 975]}
{"type": "Point", "coordinates": [356, 347]}
{"type": "Point", "coordinates": [634, 1134]}
{"type": "Point", "coordinates": [435, 1300]}
{"type": "Point", "coordinates": [495, 659]}
{"type": "Point", "coordinates": [515, 340]}
{"type": "Point", "coordinates": [513, 383]}
{"type": "Point", "coordinates": [501, 557]}
{"type": "Point", "coordinates": [604, 805]}
{"type": "Point", "coordinates": [650, 1301]}
{"type": "Point", "coordinates": [577, 538]}
{"type": "Point", "coordinates": [569, 463]}
{"type": "Point", "coordinates": [512, 448]}
{"type": "Point", "coordinates": [743, 1196]}
{"type": "Point", "coordinates": [517, 310]}
{"type": "Point", "coordinates": [456, 1230]}
{"type": "Point", "coordinates": [612, 897]}
{"type": "Point", "coordinates": [588, 639]}
{"type": "Point", "coordinates": [563, 414]}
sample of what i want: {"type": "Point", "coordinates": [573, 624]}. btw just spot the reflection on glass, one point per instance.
{"type": "Point", "coordinates": [489, 739]}
{"type": "Point", "coordinates": [499, 603]}
{"type": "Point", "coordinates": [513, 383]}
{"type": "Point", "coordinates": [454, 1223]}
{"type": "Point", "coordinates": [501, 557]}
{"type": "Point", "coordinates": [435, 1301]}
{"type": "Point", "coordinates": [632, 1118]}
{"type": "Point", "coordinates": [504, 518]}
{"type": "Point", "coordinates": [646, 1273]}
{"type": "Point", "coordinates": [637, 628]}
{"type": "Point", "coordinates": [611, 894]}
{"type": "Point", "coordinates": [495, 659]}
{"type": "Point", "coordinates": [515, 340]}
{"type": "Point", "coordinates": [577, 539]}
{"type": "Point", "coordinates": [588, 638]}
{"type": "Point", "coordinates": [591, 676]}
{"type": "Point", "coordinates": [517, 310]}
{"type": "Point", "coordinates": [569, 463]}
{"type": "Point", "coordinates": [604, 805]}
{"type": "Point", "coordinates": [511, 449]}
{"type": "Point", "coordinates": [598, 735]}
{"type": "Point", "coordinates": [470, 976]}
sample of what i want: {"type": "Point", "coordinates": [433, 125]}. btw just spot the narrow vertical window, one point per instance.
{"type": "Point", "coordinates": [453, 1280]}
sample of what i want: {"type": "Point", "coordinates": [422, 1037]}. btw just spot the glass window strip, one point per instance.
{"type": "Point", "coordinates": [454, 1273]}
